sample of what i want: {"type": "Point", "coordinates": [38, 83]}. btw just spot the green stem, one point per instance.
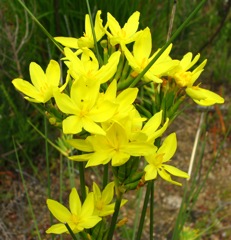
{"type": "Point", "coordinates": [151, 226]}
{"type": "Point", "coordinates": [70, 231]}
{"type": "Point", "coordinates": [115, 215]}
{"type": "Point", "coordinates": [125, 83]}
{"type": "Point", "coordinates": [143, 212]}
{"type": "Point", "coordinates": [175, 34]}
{"type": "Point", "coordinates": [105, 175]}
{"type": "Point", "coordinates": [82, 180]}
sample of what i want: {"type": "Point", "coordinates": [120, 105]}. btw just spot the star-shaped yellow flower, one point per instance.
{"type": "Point", "coordinates": [84, 110]}
{"type": "Point", "coordinates": [87, 40]}
{"type": "Point", "coordinates": [186, 78]}
{"type": "Point", "coordinates": [103, 200]}
{"type": "Point", "coordinates": [43, 84]}
{"type": "Point", "coordinates": [87, 66]}
{"type": "Point", "coordinates": [125, 35]}
{"type": "Point", "coordinates": [114, 146]}
{"type": "Point", "coordinates": [79, 217]}
{"type": "Point", "coordinates": [182, 76]}
{"type": "Point", "coordinates": [156, 162]}
{"type": "Point", "coordinates": [140, 58]}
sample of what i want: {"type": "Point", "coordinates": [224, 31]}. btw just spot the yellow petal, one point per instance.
{"type": "Point", "coordinates": [150, 172]}
{"type": "Point", "coordinates": [60, 212]}
{"type": "Point", "coordinates": [203, 97]}
{"type": "Point", "coordinates": [58, 228]}
{"type": "Point", "coordinates": [72, 125]}
{"type": "Point", "coordinates": [68, 42]}
{"type": "Point", "coordinates": [80, 144]}
{"type": "Point", "coordinates": [103, 112]}
{"type": "Point", "coordinates": [113, 24]}
{"type": "Point", "coordinates": [96, 191]}
{"type": "Point", "coordinates": [88, 206]}
{"type": "Point", "coordinates": [92, 127]}
{"type": "Point", "coordinates": [65, 103]}
{"type": "Point", "coordinates": [37, 75]}
{"type": "Point", "coordinates": [90, 222]}
{"type": "Point", "coordinates": [120, 158]}
{"type": "Point", "coordinates": [27, 89]}
{"type": "Point", "coordinates": [99, 30]}
{"type": "Point", "coordinates": [167, 176]}
{"type": "Point", "coordinates": [175, 171]}
{"type": "Point", "coordinates": [132, 24]}
{"type": "Point", "coordinates": [143, 45]}
{"type": "Point", "coordinates": [74, 202]}
{"type": "Point", "coordinates": [186, 61]}
{"type": "Point", "coordinates": [168, 147]}
{"type": "Point", "coordinates": [88, 30]}
{"type": "Point", "coordinates": [107, 210]}
{"type": "Point", "coordinates": [108, 193]}
{"type": "Point", "coordinates": [153, 123]}
{"type": "Point", "coordinates": [81, 158]}
{"type": "Point", "coordinates": [53, 73]}
{"type": "Point", "coordinates": [158, 133]}
{"type": "Point", "coordinates": [127, 96]}
{"type": "Point", "coordinates": [98, 158]}
{"type": "Point", "coordinates": [107, 71]}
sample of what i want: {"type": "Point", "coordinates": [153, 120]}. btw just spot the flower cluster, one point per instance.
{"type": "Point", "coordinates": [110, 121]}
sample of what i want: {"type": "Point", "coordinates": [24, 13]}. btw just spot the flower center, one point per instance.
{"type": "Point", "coordinates": [144, 63]}
{"type": "Point", "coordinates": [99, 205]}
{"type": "Point", "coordinates": [159, 160]}
{"type": "Point", "coordinates": [74, 219]}
{"type": "Point", "coordinates": [44, 88]}
{"type": "Point", "coordinates": [183, 79]}
{"type": "Point", "coordinates": [123, 33]}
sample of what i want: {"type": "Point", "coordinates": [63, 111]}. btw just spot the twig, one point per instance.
{"type": "Point", "coordinates": [192, 159]}
{"type": "Point", "coordinates": [171, 20]}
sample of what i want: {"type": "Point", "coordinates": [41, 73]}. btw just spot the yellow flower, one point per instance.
{"type": "Point", "coordinates": [125, 35]}
{"type": "Point", "coordinates": [156, 162]}
{"type": "Point", "coordinates": [88, 66]}
{"type": "Point", "coordinates": [43, 84]}
{"type": "Point", "coordinates": [203, 96]}
{"type": "Point", "coordinates": [115, 146]}
{"type": "Point", "coordinates": [83, 108]}
{"type": "Point", "coordinates": [185, 78]}
{"type": "Point", "coordinates": [124, 100]}
{"type": "Point", "coordinates": [182, 76]}
{"type": "Point", "coordinates": [141, 57]}
{"type": "Point", "coordinates": [123, 139]}
{"type": "Point", "coordinates": [79, 217]}
{"type": "Point", "coordinates": [87, 40]}
{"type": "Point", "coordinates": [103, 205]}
{"type": "Point", "coordinates": [151, 128]}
